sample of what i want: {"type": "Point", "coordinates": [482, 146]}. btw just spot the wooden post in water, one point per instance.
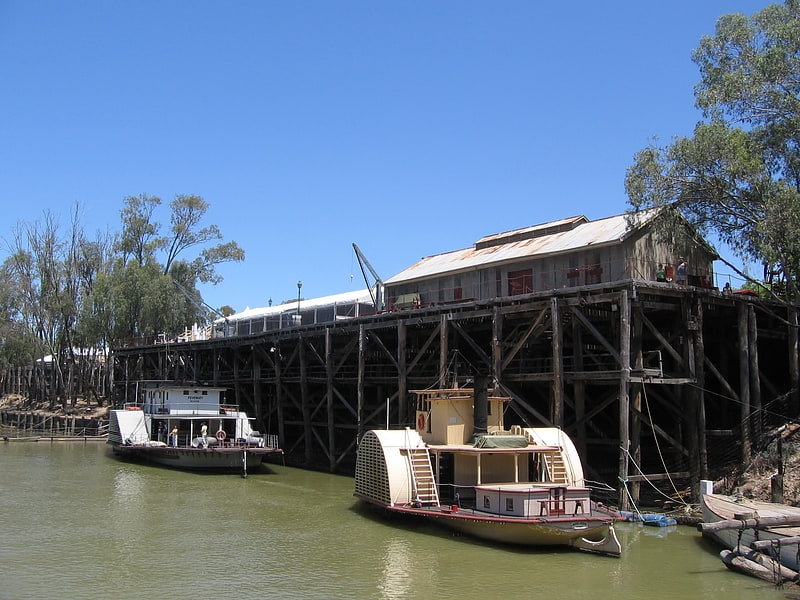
{"type": "Point", "coordinates": [497, 346]}
{"type": "Point", "coordinates": [329, 399]}
{"type": "Point", "coordinates": [636, 392]}
{"type": "Point", "coordinates": [305, 402]}
{"type": "Point", "coordinates": [744, 383]}
{"type": "Point", "coordinates": [402, 374]}
{"type": "Point", "coordinates": [362, 348]}
{"type": "Point", "coordinates": [279, 395]}
{"type": "Point", "coordinates": [624, 399]}
{"type": "Point", "coordinates": [557, 413]}
{"type": "Point", "coordinates": [579, 388]}
{"type": "Point", "coordinates": [755, 382]}
{"type": "Point", "coordinates": [443, 351]}
{"type": "Point", "coordinates": [700, 355]}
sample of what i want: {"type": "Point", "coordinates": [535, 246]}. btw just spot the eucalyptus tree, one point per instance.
{"type": "Point", "coordinates": [738, 175]}
{"type": "Point", "coordinates": [43, 268]}
{"type": "Point", "coordinates": [150, 277]}
{"type": "Point", "coordinates": [18, 344]}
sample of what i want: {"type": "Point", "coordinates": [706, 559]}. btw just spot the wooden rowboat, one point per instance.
{"type": "Point", "coordinates": [734, 522]}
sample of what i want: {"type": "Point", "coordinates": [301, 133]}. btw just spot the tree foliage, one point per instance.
{"type": "Point", "coordinates": [63, 293]}
{"type": "Point", "coordinates": [142, 279]}
{"type": "Point", "coordinates": [738, 175]}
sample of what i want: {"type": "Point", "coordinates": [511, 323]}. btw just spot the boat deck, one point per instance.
{"type": "Point", "coordinates": [734, 508]}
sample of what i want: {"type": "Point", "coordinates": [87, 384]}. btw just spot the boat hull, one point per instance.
{"type": "Point", "coordinates": [717, 508]}
{"type": "Point", "coordinates": [592, 534]}
{"type": "Point", "coordinates": [196, 459]}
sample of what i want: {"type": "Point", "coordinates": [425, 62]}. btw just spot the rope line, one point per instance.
{"type": "Point", "coordinates": [660, 453]}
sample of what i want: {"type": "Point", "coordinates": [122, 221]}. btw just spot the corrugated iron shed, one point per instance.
{"type": "Point", "coordinates": [531, 242]}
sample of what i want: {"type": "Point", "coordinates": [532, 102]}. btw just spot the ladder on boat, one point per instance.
{"type": "Point", "coordinates": [424, 484]}
{"type": "Point", "coordinates": [556, 468]}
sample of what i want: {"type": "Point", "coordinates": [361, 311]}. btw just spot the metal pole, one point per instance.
{"type": "Point", "coordinates": [299, 285]}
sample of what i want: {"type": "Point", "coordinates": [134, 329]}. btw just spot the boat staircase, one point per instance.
{"type": "Point", "coordinates": [423, 482]}
{"type": "Point", "coordinates": [556, 468]}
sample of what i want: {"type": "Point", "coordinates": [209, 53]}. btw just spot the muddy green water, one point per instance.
{"type": "Point", "coordinates": [77, 523]}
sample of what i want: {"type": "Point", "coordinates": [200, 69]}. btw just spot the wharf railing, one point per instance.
{"type": "Point", "coordinates": [11, 432]}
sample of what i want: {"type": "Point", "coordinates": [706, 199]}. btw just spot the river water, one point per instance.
{"type": "Point", "coordinates": [77, 523]}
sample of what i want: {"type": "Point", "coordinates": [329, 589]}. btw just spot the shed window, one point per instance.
{"type": "Point", "coordinates": [520, 282]}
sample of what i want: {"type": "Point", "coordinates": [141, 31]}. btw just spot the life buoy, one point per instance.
{"type": "Point", "coordinates": [421, 422]}
{"type": "Point", "coordinates": [221, 435]}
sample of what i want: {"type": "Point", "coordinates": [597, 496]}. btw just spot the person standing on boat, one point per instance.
{"type": "Point", "coordinates": [173, 437]}
{"type": "Point", "coordinates": [162, 431]}
{"type": "Point", "coordinates": [204, 434]}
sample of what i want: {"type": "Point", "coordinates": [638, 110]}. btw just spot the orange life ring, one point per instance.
{"type": "Point", "coordinates": [421, 422]}
{"type": "Point", "coordinates": [221, 435]}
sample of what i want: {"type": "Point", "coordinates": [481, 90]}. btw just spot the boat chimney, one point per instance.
{"type": "Point", "coordinates": [480, 410]}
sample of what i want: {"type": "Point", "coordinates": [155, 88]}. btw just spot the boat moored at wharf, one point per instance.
{"type": "Point", "coordinates": [760, 538]}
{"type": "Point", "coordinates": [521, 486]}
{"type": "Point", "coordinates": [188, 427]}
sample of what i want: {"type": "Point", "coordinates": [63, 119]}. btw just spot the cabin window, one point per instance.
{"type": "Point", "coordinates": [509, 504]}
{"type": "Point", "coordinates": [486, 503]}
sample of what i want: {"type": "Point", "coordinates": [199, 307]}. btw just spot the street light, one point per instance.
{"type": "Point", "coordinates": [299, 285]}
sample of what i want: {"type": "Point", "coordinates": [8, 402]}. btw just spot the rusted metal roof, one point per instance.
{"type": "Point", "coordinates": [530, 242]}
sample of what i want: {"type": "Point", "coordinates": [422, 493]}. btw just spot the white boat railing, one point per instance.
{"type": "Point", "coordinates": [184, 408]}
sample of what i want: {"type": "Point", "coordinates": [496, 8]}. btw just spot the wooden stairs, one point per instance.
{"type": "Point", "coordinates": [556, 468]}
{"type": "Point", "coordinates": [423, 482]}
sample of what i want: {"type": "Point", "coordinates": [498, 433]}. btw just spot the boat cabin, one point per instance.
{"type": "Point", "coordinates": [448, 416]}
{"type": "Point", "coordinates": [184, 401]}
{"type": "Point", "coordinates": [532, 500]}
{"type": "Point", "coordinates": [470, 445]}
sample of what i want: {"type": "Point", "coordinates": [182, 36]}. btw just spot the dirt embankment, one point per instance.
{"type": "Point", "coordinates": [82, 407]}
{"type": "Point", "coordinates": [782, 451]}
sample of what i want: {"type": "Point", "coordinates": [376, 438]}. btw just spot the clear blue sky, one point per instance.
{"type": "Point", "coordinates": [409, 128]}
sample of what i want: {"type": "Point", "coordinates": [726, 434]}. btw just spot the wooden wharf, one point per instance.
{"type": "Point", "coordinates": [652, 380]}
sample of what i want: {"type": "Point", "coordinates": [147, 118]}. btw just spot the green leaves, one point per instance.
{"type": "Point", "coordinates": [64, 291]}
{"type": "Point", "coordinates": [738, 175]}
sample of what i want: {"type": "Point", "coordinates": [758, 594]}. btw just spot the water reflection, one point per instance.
{"type": "Point", "coordinates": [127, 486]}
{"type": "Point", "coordinates": [398, 570]}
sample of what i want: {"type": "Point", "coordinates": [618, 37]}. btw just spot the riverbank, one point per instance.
{"type": "Point", "coordinates": [81, 407]}
{"type": "Point", "coordinates": [782, 453]}
{"type": "Point", "coordinates": [24, 419]}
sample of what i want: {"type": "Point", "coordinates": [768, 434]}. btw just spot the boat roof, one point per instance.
{"type": "Point", "coordinates": [470, 449]}
{"type": "Point", "coordinates": [466, 393]}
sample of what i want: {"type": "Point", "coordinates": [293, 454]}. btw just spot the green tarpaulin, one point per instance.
{"type": "Point", "coordinates": [501, 441]}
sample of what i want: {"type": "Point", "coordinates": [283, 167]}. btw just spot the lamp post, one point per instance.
{"type": "Point", "coordinates": [299, 285]}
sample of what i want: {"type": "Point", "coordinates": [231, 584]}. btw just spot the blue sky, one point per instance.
{"type": "Point", "coordinates": [409, 128]}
